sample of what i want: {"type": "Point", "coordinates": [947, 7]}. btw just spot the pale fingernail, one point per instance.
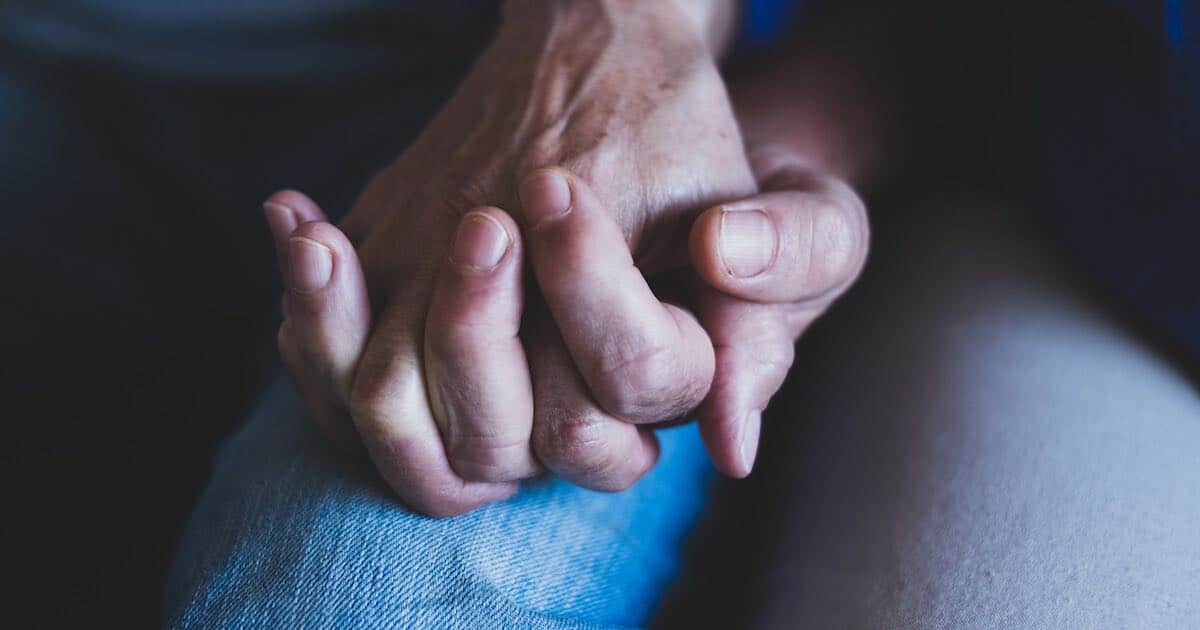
{"type": "Point", "coordinates": [749, 447]}
{"type": "Point", "coordinates": [545, 195]}
{"type": "Point", "coordinates": [747, 243]}
{"type": "Point", "coordinates": [280, 218]}
{"type": "Point", "coordinates": [311, 264]}
{"type": "Point", "coordinates": [480, 242]}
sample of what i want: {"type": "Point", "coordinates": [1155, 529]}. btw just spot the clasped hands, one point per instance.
{"type": "Point", "coordinates": [577, 249]}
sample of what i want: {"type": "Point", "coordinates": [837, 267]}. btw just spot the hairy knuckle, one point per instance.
{"type": "Point", "coordinates": [630, 384]}
{"type": "Point", "coordinates": [579, 444]}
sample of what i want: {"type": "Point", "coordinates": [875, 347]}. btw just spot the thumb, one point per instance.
{"type": "Point", "coordinates": [788, 246]}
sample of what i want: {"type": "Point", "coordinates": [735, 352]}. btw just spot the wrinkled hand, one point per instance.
{"type": "Point", "coordinates": [772, 263]}
{"type": "Point", "coordinates": [456, 392]}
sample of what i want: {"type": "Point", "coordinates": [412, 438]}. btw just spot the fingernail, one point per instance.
{"type": "Point", "coordinates": [751, 429]}
{"type": "Point", "coordinates": [311, 264]}
{"type": "Point", "coordinates": [748, 242]}
{"type": "Point", "coordinates": [545, 195]}
{"type": "Point", "coordinates": [480, 242]}
{"type": "Point", "coordinates": [280, 218]}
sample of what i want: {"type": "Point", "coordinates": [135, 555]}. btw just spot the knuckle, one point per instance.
{"type": "Point", "coordinates": [579, 444]}
{"type": "Point", "coordinates": [384, 388]}
{"type": "Point", "coordinates": [484, 457]}
{"type": "Point", "coordinates": [767, 353]}
{"type": "Point", "coordinates": [476, 440]}
{"type": "Point", "coordinates": [367, 401]}
{"type": "Point", "coordinates": [772, 360]}
{"type": "Point", "coordinates": [638, 383]}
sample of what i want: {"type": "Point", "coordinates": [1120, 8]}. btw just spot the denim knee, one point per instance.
{"type": "Point", "coordinates": [291, 533]}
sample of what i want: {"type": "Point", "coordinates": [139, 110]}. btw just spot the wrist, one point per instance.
{"type": "Point", "coordinates": [689, 26]}
{"type": "Point", "coordinates": [610, 58]}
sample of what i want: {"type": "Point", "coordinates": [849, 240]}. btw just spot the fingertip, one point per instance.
{"type": "Point", "coordinates": [500, 215]}
{"type": "Point", "coordinates": [281, 220]}
{"type": "Point", "coordinates": [304, 208]}
{"type": "Point", "coordinates": [285, 212]}
{"type": "Point", "coordinates": [326, 304]}
{"type": "Point", "coordinates": [704, 247]}
{"type": "Point", "coordinates": [754, 355]}
{"type": "Point", "coordinates": [546, 193]}
{"type": "Point", "coordinates": [484, 240]}
{"type": "Point", "coordinates": [311, 265]}
{"type": "Point", "coordinates": [734, 247]}
{"type": "Point", "coordinates": [324, 234]}
{"type": "Point", "coordinates": [721, 440]}
{"type": "Point", "coordinates": [751, 428]}
{"type": "Point", "coordinates": [727, 417]}
{"type": "Point", "coordinates": [314, 252]}
{"type": "Point", "coordinates": [481, 280]}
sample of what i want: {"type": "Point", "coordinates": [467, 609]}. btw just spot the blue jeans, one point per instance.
{"type": "Point", "coordinates": [969, 440]}
{"type": "Point", "coordinates": [291, 534]}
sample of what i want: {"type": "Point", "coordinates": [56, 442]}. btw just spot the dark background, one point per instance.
{"type": "Point", "coordinates": [139, 283]}
{"type": "Point", "coordinates": [137, 275]}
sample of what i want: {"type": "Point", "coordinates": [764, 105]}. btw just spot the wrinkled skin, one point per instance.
{"type": "Point", "coordinates": [456, 388]}
{"type": "Point", "coordinates": [649, 129]}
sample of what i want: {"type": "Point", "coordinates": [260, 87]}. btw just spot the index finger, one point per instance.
{"type": "Point", "coordinates": [643, 360]}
